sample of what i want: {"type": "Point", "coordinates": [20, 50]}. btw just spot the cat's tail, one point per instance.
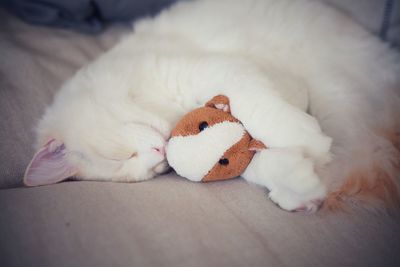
{"type": "Point", "coordinates": [370, 165]}
{"type": "Point", "coordinates": [374, 185]}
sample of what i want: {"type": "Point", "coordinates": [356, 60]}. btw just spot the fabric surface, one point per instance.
{"type": "Point", "coordinates": [82, 15]}
{"type": "Point", "coordinates": [169, 221]}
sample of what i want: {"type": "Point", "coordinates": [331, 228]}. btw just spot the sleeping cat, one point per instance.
{"type": "Point", "coordinates": [277, 60]}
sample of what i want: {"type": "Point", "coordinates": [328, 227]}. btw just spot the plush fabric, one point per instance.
{"type": "Point", "coordinates": [195, 152]}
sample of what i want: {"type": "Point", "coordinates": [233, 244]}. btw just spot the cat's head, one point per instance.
{"type": "Point", "coordinates": [96, 149]}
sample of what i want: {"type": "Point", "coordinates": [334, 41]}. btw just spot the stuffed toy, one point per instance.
{"type": "Point", "coordinates": [210, 144]}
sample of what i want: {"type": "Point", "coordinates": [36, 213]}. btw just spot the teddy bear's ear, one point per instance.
{"type": "Point", "coordinates": [219, 102]}
{"type": "Point", "coordinates": [256, 145]}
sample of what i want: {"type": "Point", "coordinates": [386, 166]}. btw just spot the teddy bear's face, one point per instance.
{"type": "Point", "coordinates": [234, 161]}
{"type": "Point", "coordinates": [210, 144]}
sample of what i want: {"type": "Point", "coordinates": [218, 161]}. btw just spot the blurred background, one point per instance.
{"type": "Point", "coordinates": [92, 16]}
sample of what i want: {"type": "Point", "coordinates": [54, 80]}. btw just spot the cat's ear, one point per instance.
{"type": "Point", "coordinates": [256, 145]}
{"type": "Point", "coordinates": [219, 102]}
{"type": "Point", "coordinates": [49, 165]}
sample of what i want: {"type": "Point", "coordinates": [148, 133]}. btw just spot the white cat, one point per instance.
{"type": "Point", "coordinates": [275, 59]}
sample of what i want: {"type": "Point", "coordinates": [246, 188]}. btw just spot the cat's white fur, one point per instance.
{"type": "Point", "coordinates": [274, 59]}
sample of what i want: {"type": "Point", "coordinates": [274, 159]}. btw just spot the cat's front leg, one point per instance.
{"type": "Point", "coordinates": [289, 176]}
{"type": "Point", "coordinates": [268, 118]}
{"type": "Point", "coordinates": [255, 100]}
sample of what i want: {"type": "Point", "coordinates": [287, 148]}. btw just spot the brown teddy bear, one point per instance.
{"type": "Point", "coordinates": [209, 144]}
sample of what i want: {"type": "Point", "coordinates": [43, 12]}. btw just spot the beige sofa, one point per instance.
{"type": "Point", "coordinates": [167, 221]}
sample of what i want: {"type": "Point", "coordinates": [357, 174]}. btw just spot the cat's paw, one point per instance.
{"type": "Point", "coordinates": [306, 202]}
{"type": "Point", "coordinates": [289, 176]}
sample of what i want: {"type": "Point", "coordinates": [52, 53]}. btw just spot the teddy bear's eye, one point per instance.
{"type": "Point", "coordinates": [223, 161]}
{"type": "Point", "coordinates": [203, 125]}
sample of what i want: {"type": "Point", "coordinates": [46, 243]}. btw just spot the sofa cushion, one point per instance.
{"type": "Point", "coordinates": [169, 221]}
